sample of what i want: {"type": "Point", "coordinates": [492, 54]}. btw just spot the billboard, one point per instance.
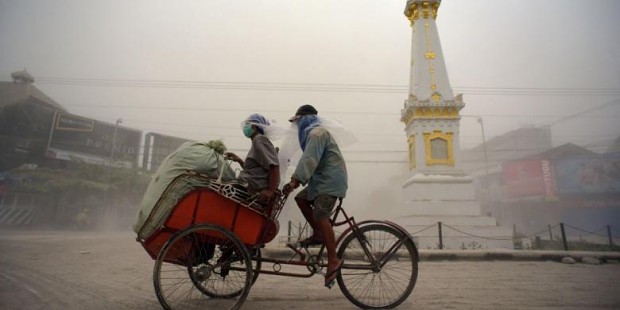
{"type": "Point", "coordinates": [598, 174]}
{"type": "Point", "coordinates": [529, 178]}
{"type": "Point", "coordinates": [76, 137]}
{"type": "Point", "coordinates": [157, 147]}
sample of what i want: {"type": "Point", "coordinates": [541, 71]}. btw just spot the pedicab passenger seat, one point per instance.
{"type": "Point", "coordinates": [194, 198]}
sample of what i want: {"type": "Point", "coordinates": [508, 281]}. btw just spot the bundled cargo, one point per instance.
{"type": "Point", "coordinates": [171, 182]}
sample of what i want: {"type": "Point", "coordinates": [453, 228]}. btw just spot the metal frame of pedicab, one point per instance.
{"type": "Point", "coordinates": [301, 256]}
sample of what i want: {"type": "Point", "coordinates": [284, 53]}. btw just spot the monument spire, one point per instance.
{"type": "Point", "coordinates": [431, 113]}
{"type": "Point", "coordinates": [429, 76]}
{"type": "Point", "coordinates": [437, 190]}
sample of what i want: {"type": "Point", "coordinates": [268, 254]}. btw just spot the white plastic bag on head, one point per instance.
{"type": "Point", "coordinates": [289, 154]}
{"type": "Point", "coordinates": [290, 150]}
{"type": "Point", "coordinates": [344, 137]}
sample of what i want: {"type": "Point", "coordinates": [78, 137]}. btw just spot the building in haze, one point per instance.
{"type": "Point", "coordinates": [40, 137]}
{"type": "Point", "coordinates": [26, 116]}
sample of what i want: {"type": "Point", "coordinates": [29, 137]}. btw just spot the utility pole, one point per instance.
{"type": "Point", "coordinates": [118, 122]}
{"type": "Point", "coordinates": [106, 211]}
{"type": "Point", "coordinates": [484, 149]}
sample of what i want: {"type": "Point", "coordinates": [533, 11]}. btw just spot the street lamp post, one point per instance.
{"type": "Point", "coordinates": [118, 122]}
{"type": "Point", "coordinates": [106, 210]}
{"type": "Point", "coordinates": [484, 149]}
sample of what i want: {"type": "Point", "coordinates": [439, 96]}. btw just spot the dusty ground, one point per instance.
{"type": "Point", "coordinates": [77, 270]}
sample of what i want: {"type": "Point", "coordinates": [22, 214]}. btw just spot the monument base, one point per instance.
{"type": "Point", "coordinates": [449, 199]}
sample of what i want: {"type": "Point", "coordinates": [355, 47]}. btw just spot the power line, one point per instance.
{"type": "Point", "coordinates": [324, 87]}
{"type": "Point", "coordinates": [368, 113]}
{"type": "Point", "coordinates": [337, 87]}
{"type": "Point", "coordinates": [238, 128]}
{"type": "Point", "coordinates": [399, 136]}
{"type": "Point", "coordinates": [616, 101]}
{"type": "Point", "coordinates": [394, 135]}
{"type": "Point", "coordinates": [212, 109]}
{"type": "Point", "coordinates": [204, 132]}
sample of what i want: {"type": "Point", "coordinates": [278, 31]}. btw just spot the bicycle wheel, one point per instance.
{"type": "Point", "coordinates": [216, 260]}
{"type": "Point", "coordinates": [385, 284]}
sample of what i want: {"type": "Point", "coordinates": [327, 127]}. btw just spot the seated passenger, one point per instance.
{"type": "Point", "coordinates": [261, 173]}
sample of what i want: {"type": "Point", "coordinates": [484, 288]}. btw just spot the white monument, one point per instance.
{"type": "Point", "coordinates": [437, 189]}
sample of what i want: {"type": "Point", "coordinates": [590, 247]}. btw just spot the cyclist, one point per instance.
{"type": "Point", "coordinates": [322, 168]}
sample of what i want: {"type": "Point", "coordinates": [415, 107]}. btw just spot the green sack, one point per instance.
{"type": "Point", "coordinates": [203, 158]}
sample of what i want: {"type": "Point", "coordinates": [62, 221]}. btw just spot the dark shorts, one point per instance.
{"type": "Point", "coordinates": [322, 205]}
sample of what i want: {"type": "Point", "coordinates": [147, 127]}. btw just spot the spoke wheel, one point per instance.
{"type": "Point", "coordinates": [203, 267]}
{"type": "Point", "coordinates": [199, 274]}
{"type": "Point", "coordinates": [378, 287]}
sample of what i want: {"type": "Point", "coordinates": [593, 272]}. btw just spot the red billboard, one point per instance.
{"type": "Point", "coordinates": [529, 178]}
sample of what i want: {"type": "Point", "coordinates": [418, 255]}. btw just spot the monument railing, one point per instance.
{"type": "Point", "coordinates": [560, 236]}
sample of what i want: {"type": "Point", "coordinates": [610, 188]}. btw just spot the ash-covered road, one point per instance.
{"type": "Point", "coordinates": [89, 270]}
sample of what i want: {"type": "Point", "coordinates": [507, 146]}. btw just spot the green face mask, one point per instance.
{"type": "Point", "coordinates": [248, 130]}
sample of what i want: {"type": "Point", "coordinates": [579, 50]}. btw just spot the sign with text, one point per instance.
{"type": "Point", "coordinates": [91, 140]}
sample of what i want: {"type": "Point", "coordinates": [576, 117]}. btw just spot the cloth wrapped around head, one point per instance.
{"type": "Point", "coordinates": [264, 126]}
{"type": "Point", "coordinates": [304, 125]}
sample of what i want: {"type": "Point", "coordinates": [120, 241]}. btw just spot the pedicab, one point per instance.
{"type": "Point", "coordinates": [207, 249]}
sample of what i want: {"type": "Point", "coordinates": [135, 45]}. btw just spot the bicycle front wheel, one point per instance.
{"type": "Point", "coordinates": [387, 279]}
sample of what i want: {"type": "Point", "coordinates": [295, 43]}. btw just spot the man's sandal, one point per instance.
{"type": "Point", "coordinates": [330, 277]}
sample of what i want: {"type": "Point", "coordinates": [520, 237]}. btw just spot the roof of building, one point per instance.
{"type": "Point", "coordinates": [562, 151]}
{"type": "Point", "coordinates": [511, 145]}
{"type": "Point", "coordinates": [18, 92]}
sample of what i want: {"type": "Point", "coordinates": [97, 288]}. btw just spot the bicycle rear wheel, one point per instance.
{"type": "Point", "coordinates": [203, 260]}
{"type": "Point", "coordinates": [205, 286]}
{"type": "Point", "coordinates": [390, 281]}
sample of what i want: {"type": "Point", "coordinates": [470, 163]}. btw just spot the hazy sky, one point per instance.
{"type": "Point", "coordinates": [190, 68]}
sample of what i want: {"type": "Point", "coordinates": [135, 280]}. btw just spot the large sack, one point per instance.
{"type": "Point", "coordinates": [191, 156]}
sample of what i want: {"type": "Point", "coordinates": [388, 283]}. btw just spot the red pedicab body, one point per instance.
{"type": "Point", "coordinates": [207, 205]}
